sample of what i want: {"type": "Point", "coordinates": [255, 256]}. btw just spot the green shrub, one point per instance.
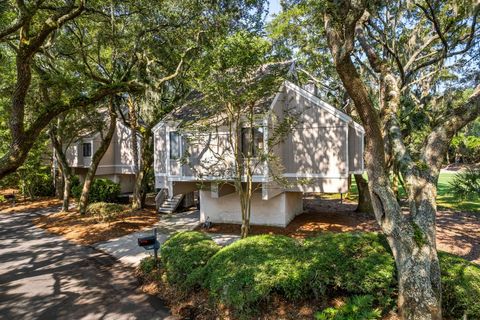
{"type": "Point", "coordinates": [2, 198]}
{"type": "Point", "coordinates": [35, 181]}
{"type": "Point", "coordinates": [356, 307]}
{"type": "Point", "coordinates": [105, 211]}
{"type": "Point", "coordinates": [466, 184]}
{"type": "Point", "coordinates": [248, 270]}
{"type": "Point", "coordinates": [102, 190]}
{"type": "Point", "coordinates": [147, 265]}
{"type": "Point", "coordinates": [184, 255]}
{"type": "Point", "coordinates": [358, 263]}
{"type": "Point", "coordinates": [460, 287]}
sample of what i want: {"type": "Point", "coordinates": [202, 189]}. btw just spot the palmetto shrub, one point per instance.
{"type": "Point", "coordinates": [466, 184]}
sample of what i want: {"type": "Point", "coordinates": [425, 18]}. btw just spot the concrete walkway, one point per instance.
{"type": "Point", "coordinates": [46, 277]}
{"type": "Point", "coordinates": [126, 249]}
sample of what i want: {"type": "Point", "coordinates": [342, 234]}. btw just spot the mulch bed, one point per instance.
{"type": "Point", "coordinates": [319, 216]}
{"type": "Point", "coordinates": [457, 232]}
{"type": "Point", "coordinates": [87, 230]}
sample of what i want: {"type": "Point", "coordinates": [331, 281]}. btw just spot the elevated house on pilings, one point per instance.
{"type": "Point", "coordinates": [117, 164]}
{"type": "Point", "coordinates": [318, 154]}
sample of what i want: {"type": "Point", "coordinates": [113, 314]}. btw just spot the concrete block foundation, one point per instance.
{"type": "Point", "coordinates": [277, 211]}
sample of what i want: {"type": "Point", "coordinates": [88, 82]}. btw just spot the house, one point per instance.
{"type": "Point", "coordinates": [117, 163]}
{"type": "Point", "coordinates": [324, 147]}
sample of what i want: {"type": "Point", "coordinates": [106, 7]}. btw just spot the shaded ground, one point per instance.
{"type": "Point", "coordinates": [27, 205]}
{"type": "Point", "coordinates": [457, 233]}
{"type": "Point", "coordinates": [86, 229]}
{"type": "Point", "coordinates": [46, 277]}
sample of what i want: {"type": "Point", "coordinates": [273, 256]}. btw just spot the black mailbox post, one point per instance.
{"type": "Point", "coordinates": [150, 243]}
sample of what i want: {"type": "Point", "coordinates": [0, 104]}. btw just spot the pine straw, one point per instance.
{"type": "Point", "coordinates": [87, 229]}
{"type": "Point", "coordinates": [28, 205]}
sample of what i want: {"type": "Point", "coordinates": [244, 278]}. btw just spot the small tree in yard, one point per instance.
{"type": "Point", "coordinates": [239, 77]}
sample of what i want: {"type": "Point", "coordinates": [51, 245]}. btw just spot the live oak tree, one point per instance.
{"type": "Point", "coordinates": [29, 32]}
{"type": "Point", "coordinates": [403, 44]}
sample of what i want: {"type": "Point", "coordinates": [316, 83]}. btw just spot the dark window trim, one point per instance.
{"type": "Point", "coordinates": [89, 149]}
{"type": "Point", "coordinates": [258, 132]}
{"type": "Point", "coordinates": [175, 154]}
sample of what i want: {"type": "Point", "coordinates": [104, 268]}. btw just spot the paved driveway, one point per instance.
{"type": "Point", "coordinates": [45, 277]}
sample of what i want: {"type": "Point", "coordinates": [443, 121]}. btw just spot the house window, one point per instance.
{"type": "Point", "coordinates": [249, 149]}
{"type": "Point", "coordinates": [175, 152]}
{"type": "Point", "coordinates": [87, 149]}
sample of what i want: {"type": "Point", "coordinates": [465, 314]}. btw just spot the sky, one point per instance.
{"type": "Point", "coordinates": [274, 7]}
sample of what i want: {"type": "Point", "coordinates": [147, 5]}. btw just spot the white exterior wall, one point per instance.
{"type": "Point", "coordinates": [278, 211]}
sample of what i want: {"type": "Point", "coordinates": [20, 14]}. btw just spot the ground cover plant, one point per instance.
{"type": "Point", "coordinates": [356, 269]}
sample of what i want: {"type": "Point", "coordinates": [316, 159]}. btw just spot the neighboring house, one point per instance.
{"type": "Point", "coordinates": [318, 155]}
{"type": "Point", "coordinates": [117, 163]}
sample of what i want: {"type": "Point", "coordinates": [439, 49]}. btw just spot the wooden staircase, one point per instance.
{"type": "Point", "coordinates": [169, 205]}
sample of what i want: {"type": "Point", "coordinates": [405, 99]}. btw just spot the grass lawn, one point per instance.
{"type": "Point", "coordinates": [445, 199]}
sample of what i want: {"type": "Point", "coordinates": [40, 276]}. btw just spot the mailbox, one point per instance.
{"type": "Point", "coordinates": [150, 243]}
{"type": "Point", "coordinates": [147, 241]}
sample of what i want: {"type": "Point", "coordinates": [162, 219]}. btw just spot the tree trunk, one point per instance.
{"type": "Point", "coordinates": [65, 168]}
{"type": "Point", "coordinates": [410, 237]}
{"type": "Point", "coordinates": [82, 205]}
{"type": "Point", "coordinates": [67, 187]}
{"type": "Point", "coordinates": [364, 200]}
{"type": "Point", "coordinates": [59, 182]}
{"type": "Point", "coordinates": [146, 162]}
{"type": "Point", "coordinates": [137, 189]}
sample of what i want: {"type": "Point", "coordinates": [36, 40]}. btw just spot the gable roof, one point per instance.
{"type": "Point", "coordinates": [196, 109]}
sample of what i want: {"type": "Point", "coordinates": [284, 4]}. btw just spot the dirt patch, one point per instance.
{"type": "Point", "coordinates": [87, 229]}
{"type": "Point", "coordinates": [457, 232]}
{"type": "Point", "coordinates": [28, 205]}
